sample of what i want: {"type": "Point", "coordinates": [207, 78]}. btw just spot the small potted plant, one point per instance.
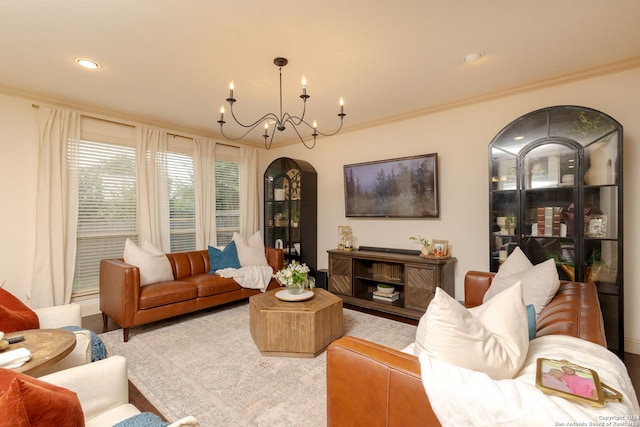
{"type": "Point", "coordinates": [424, 242]}
{"type": "Point", "coordinates": [384, 288]}
{"type": "Point", "coordinates": [568, 176]}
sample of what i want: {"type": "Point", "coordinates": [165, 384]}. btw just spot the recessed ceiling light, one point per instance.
{"type": "Point", "coordinates": [473, 56]}
{"type": "Point", "coordinates": [87, 63]}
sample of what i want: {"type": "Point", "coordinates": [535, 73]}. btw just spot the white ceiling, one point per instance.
{"type": "Point", "coordinates": [170, 61]}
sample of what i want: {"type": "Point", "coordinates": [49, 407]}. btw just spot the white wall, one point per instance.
{"type": "Point", "coordinates": [461, 138]}
{"type": "Point", "coordinates": [18, 165]}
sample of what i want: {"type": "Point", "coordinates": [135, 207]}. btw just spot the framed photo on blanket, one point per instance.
{"type": "Point", "coordinates": [577, 383]}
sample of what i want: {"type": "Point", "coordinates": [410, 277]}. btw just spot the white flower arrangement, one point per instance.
{"type": "Point", "coordinates": [295, 275]}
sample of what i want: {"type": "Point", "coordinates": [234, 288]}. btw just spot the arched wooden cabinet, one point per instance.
{"type": "Point", "coordinates": [556, 192]}
{"type": "Point", "coordinates": [291, 209]}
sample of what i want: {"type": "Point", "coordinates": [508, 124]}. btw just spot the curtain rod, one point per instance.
{"type": "Point", "coordinates": [168, 133]}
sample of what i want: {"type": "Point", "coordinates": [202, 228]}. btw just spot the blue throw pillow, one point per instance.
{"type": "Point", "coordinates": [144, 419]}
{"type": "Point", "coordinates": [531, 320]}
{"type": "Point", "coordinates": [227, 258]}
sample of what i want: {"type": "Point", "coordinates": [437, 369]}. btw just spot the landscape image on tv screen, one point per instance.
{"type": "Point", "coordinates": [403, 188]}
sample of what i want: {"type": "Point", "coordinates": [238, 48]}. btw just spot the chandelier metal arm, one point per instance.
{"type": "Point", "coordinates": [295, 128]}
{"type": "Point", "coordinates": [268, 116]}
{"type": "Point", "coordinates": [315, 130]}
{"type": "Point", "coordinates": [280, 121]}
{"type": "Point", "coordinates": [250, 127]}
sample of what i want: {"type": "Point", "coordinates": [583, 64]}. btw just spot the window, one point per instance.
{"type": "Point", "coordinates": [106, 208]}
{"type": "Point", "coordinates": [107, 205]}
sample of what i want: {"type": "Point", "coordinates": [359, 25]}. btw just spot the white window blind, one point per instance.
{"type": "Point", "coordinates": [182, 202]}
{"type": "Point", "coordinates": [227, 200]}
{"type": "Point", "coordinates": [106, 208]}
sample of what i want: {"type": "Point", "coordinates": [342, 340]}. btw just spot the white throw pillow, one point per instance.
{"type": "Point", "coordinates": [492, 338]}
{"type": "Point", "coordinates": [149, 247]}
{"type": "Point", "coordinates": [154, 266]}
{"type": "Point", "coordinates": [539, 282]}
{"type": "Point", "coordinates": [252, 252]}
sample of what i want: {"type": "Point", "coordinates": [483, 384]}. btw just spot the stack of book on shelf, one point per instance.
{"type": "Point", "coordinates": [383, 270]}
{"type": "Point", "coordinates": [377, 295]}
{"type": "Point", "coordinates": [548, 220]}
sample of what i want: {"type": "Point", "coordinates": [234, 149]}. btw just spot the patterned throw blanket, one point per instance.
{"type": "Point", "coordinates": [98, 350]}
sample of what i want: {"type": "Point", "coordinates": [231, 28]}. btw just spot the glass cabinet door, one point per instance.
{"type": "Point", "coordinates": [548, 196]}
{"type": "Point", "coordinates": [504, 205]}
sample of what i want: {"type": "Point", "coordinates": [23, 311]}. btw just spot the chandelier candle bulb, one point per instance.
{"type": "Point", "coordinates": [304, 86]}
{"type": "Point", "coordinates": [231, 87]}
{"type": "Point", "coordinates": [222, 113]}
{"type": "Point", "coordinates": [341, 105]}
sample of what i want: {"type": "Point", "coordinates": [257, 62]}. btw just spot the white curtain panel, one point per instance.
{"type": "Point", "coordinates": [249, 209]}
{"type": "Point", "coordinates": [152, 186]}
{"type": "Point", "coordinates": [204, 182]}
{"type": "Point", "coordinates": [56, 208]}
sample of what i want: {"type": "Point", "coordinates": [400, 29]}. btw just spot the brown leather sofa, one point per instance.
{"type": "Point", "coordinates": [373, 385]}
{"type": "Point", "coordinates": [128, 304]}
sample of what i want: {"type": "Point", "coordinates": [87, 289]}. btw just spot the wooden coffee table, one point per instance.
{"type": "Point", "coordinates": [47, 346]}
{"type": "Point", "coordinates": [295, 329]}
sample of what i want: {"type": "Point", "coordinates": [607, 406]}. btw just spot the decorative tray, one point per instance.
{"type": "Point", "coordinates": [284, 295]}
{"type": "Point", "coordinates": [435, 256]}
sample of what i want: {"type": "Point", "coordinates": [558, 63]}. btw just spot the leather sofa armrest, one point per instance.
{"type": "Point", "coordinates": [275, 258]}
{"type": "Point", "coordinates": [372, 385]}
{"type": "Point", "coordinates": [476, 284]}
{"type": "Point", "coordinates": [119, 290]}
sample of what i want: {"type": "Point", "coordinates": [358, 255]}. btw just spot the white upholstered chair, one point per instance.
{"type": "Point", "coordinates": [103, 390]}
{"type": "Point", "coordinates": [66, 315]}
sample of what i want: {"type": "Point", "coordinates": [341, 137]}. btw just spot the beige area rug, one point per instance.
{"type": "Point", "coordinates": [207, 365]}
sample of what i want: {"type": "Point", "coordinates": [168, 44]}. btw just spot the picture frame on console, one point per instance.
{"type": "Point", "coordinates": [440, 247]}
{"type": "Point", "coordinates": [405, 187]}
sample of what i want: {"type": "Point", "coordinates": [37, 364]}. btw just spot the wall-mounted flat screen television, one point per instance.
{"type": "Point", "coordinates": [405, 187]}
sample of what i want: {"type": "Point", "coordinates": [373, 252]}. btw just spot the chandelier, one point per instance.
{"type": "Point", "coordinates": [281, 121]}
